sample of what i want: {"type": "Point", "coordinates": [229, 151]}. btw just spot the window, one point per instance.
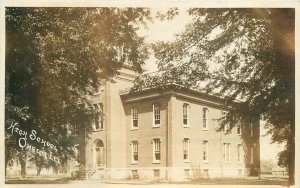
{"type": "Point", "coordinates": [156, 150]}
{"type": "Point", "coordinates": [156, 173]}
{"type": "Point", "coordinates": [226, 152]}
{"type": "Point", "coordinates": [185, 115]}
{"type": "Point", "coordinates": [156, 115]}
{"type": "Point", "coordinates": [204, 115]}
{"type": "Point", "coordinates": [76, 150]}
{"type": "Point", "coordinates": [135, 174]}
{"type": "Point", "coordinates": [251, 155]}
{"type": "Point", "coordinates": [205, 173]}
{"type": "Point", "coordinates": [239, 153]}
{"type": "Point", "coordinates": [134, 151]}
{"type": "Point", "coordinates": [223, 116]}
{"type": "Point", "coordinates": [251, 129]}
{"type": "Point", "coordinates": [134, 113]}
{"type": "Point", "coordinates": [205, 151]}
{"type": "Point", "coordinates": [239, 127]}
{"type": "Point", "coordinates": [186, 149]}
{"type": "Point", "coordinates": [98, 116]}
{"type": "Point", "coordinates": [240, 172]}
{"type": "Point", "coordinates": [186, 173]}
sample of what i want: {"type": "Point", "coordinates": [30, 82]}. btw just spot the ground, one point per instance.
{"type": "Point", "coordinates": [264, 180]}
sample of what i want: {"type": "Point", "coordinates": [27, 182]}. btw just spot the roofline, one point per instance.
{"type": "Point", "coordinates": [172, 89]}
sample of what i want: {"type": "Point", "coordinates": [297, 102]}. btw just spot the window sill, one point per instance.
{"type": "Point", "coordinates": [156, 162]}
{"type": "Point", "coordinates": [134, 128]}
{"type": "Point", "coordinates": [156, 126]}
{"type": "Point", "coordinates": [204, 129]}
{"type": "Point", "coordinates": [134, 163]}
{"type": "Point", "coordinates": [186, 161]}
{"type": "Point", "coordinates": [205, 162]}
{"type": "Point", "coordinates": [185, 126]}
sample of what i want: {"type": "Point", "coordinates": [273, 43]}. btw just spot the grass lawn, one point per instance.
{"type": "Point", "coordinates": [269, 180]}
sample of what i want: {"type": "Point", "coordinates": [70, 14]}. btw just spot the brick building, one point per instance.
{"type": "Point", "coordinates": [170, 135]}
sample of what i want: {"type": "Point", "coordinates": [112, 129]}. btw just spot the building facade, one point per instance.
{"type": "Point", "coordinates": [170, 135]}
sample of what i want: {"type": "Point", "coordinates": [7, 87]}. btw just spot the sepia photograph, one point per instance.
{"type": "Point", "coordinates": [165, 95]}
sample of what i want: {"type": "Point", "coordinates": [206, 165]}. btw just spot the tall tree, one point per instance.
{"type": "Point", "coordinates": [240, 54]}
{"type": "Point", "coordinates": [55, 57]}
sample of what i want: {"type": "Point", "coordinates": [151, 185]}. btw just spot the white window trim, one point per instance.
{"type": "Point", "coordinates": [153, 150]}
{"type": "Point", "coordinates": [132, 127]}
{"type": "Point", "coordinates": [206, 119]}
{"type": "Point", "coordinates": [98, 107]}
{"type": "Point", "coordinates": [187, 114]}
{"type": "Point", "coordinates": [251, 129]}
{"type": "Point", "coordinates": [239, 126]}
{"type": "Point", "coordinates": [239, 153]}
{"type": "Point", "coordinates": [251, 154]}
{"type": "Point", "coordinates": [186, 143]}
{"type": "Point", "coordinates": [206, 149]}
{"type": "Point", "coordinates": [153, 124]}
{"type": "Point", "coordinates": [227, 146]}
{"type": "Point", "coordinates": [132, 151]}
{"type": "Point", "coordinates": [223, 114]}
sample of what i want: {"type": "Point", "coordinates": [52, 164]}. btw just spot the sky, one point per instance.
{"type": "Point", "coordinates": [165, 31]}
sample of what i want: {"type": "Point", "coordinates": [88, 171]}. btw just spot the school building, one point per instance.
{"type": "Point", "coordinates": [169, 135]}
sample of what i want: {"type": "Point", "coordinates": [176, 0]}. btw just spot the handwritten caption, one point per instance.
{"type": "Point", "coordinates": [33, 136]}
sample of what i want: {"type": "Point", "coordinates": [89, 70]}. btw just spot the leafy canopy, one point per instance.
{"type": "Point", "coordinates": [55, 57]}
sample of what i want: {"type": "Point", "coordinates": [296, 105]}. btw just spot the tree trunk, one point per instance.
{"type": "Point", "coordinates": [6, 164]}
{"type": "Point", "coordinates": [23, 166]}
{"type": "Point", "coordinates": [39, 169]}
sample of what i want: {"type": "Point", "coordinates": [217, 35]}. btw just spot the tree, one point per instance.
{"type": "Point", "coordinates": [240, 54]}
{"type": "Point", "coordinates": [55, 57]}
{"type": "Point", "coordinates": [267, 165]}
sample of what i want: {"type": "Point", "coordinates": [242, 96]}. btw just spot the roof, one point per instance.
{"type": "Point", "coordinates": [128, 95]}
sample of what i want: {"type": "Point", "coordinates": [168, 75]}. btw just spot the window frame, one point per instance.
{"type": "Point", "coordinates": [205, 151]}
{"type": "Point", "coordinates": [251, 154]}
{"type": "Point", "coordinates": [186, 150]}
{"type": "Point", "coordinates": [185, 115]}
{"type": "Point", "coordinates": [134, 151]}
{"type": "Point", "coordinates": [205, 118]}
{"type": "Point", "coordinates": [239, 127]}
{"type": "Point", "coordinates": [98, 117]}
{"type": "Point", "coordinates": [156, 148]}
{"type": "Point", "coordinates": [239, 153]}
{"type": "Point", "coordinates": [155, 115]}
{"type": "Point", "coordinates": [251, 129]}
{"type": "Point", "coordinates": [227, 152]}
{"type": "Point", "coordinates": [134, 117]}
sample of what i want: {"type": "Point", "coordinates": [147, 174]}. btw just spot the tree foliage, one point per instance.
{"type": "Point", "coordinates": [55, 57]}
{"type": "Point", "coordinates": [239, 54]}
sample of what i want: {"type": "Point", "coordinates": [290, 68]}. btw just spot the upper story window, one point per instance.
{"type": "Point", "coordinates": [239, 153]}
{"type": "Point", "coordinates": [156, 150]}
{"type": "Point", "coordinates": [223, 116]}
{"type": "Point", "coordinates": [98, 116]}
{"type": "Point", "coordinates": [251, 129]}
{"type": "Point", "coordinates": [204, 116]}
{"type": "Point", "coordinates": [156, 115]}
{"type": "Point", "coordinates": [205, 151]}
{"type": "Point", "coordinates": [134, 151]}
{"type": "Point", "coordinates": [251, 154]}
{"type": "Point", "coordinates": [185, 108]}
{"type": "Point", "coordinates": [186, 148]}
{"type": "Point", "coordinates": [239, 127]}
{"type": "Point", "coordinates": [226, 152]}
{"type": "Point", "coordinates": [134, 112]}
